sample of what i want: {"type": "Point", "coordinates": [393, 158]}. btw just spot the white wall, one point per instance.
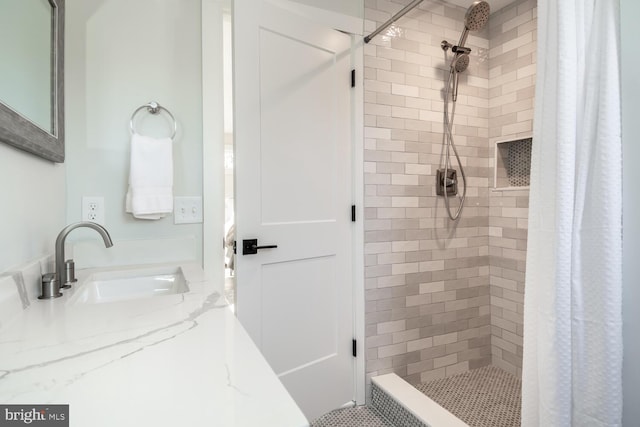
{"type": "Point", "coordinates": [347, 7]}
{"type": "Point", "coordinates": [32, 207]}
{"type": "Point", "coordinates": [121, 54]}
{"type": "Point", "coordinates": [32, 189]}
{"type": "Point", "coordinates": [630, 10]}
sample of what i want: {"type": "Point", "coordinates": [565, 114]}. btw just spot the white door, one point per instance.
{"type": "Point", "coordinates": [293, 190]}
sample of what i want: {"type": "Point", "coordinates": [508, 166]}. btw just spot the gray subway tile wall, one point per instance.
{"type": "Point", "coordinates": [430, 296]}
{"type": "Point", "coordinates": [427, 298]}
{"type": "Point", "coordinates": [512, 70]}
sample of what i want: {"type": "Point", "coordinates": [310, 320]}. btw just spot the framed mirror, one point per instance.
{"type": "Point", "coordinates": [32, 76]}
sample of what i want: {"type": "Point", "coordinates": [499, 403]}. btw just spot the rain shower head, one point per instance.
{"type": "Point", "coordinates": [477, 15]}
{"type": "Point", "coordinates": [475, 19]}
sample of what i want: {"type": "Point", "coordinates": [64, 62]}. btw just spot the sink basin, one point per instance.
{"type": "Point", "coordinates": [111, 286]}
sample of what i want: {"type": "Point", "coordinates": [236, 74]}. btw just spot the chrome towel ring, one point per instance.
{"type": "Point", "coordinates": [153, 108]}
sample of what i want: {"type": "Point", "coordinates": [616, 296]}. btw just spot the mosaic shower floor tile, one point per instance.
{"type": "Point", "coordinates": [359, 416]}
{"type": "Point", "coordinates": [484, 397]}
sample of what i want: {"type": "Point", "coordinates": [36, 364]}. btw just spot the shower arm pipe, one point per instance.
{"type": "Point", "coordinates": [393, 19]}
{"type": "Point", "coordinates": [463, 38]}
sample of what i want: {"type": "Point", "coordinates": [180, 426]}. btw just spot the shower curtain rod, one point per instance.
{"type": "Point", "coordinates": [393, 19]}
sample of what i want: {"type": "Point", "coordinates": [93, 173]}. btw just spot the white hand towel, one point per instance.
{"type": "Point", "coordinates": [150, 193]}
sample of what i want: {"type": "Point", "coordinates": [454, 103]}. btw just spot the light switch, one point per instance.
{"type": "Point", "coordinates": [187, 210]}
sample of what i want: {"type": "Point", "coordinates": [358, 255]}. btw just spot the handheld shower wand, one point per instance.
{"type": "Point", "coordinates": [459, 63]}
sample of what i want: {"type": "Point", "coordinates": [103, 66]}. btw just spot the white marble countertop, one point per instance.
{"type": "Point", "coordinates": [173, 360]}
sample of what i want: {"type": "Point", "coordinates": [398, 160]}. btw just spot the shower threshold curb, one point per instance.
{"type": "Point", "coordinates": [416, 403]}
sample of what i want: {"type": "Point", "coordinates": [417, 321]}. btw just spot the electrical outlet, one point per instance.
{"type": "Point", "coordinates": [187, 210]}
{"type": "Point", "coordinates": [93, 209]}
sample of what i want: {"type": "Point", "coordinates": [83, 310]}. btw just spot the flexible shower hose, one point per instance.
{"type": "Point", "coordinates": [450, 145]}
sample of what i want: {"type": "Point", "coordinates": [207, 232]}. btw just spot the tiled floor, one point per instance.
{"type": "Point", "coordinates": [485, 397]}
{"type": "Point", "coordinates": [359, 416]}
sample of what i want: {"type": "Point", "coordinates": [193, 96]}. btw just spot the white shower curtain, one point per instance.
{"type": "Point", "coordinates": [572, 317]}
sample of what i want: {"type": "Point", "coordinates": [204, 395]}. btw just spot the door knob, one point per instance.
{"type": "Point", "coordinates": [250, 247]}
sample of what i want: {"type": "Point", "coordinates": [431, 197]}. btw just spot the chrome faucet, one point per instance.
{"type": "Point", "coordinates": [63, 276]}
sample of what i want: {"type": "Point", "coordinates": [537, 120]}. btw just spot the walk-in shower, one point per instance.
{"type": "Point", "coordinates": [446, 177]}
{"type": "Point", "coordinates": [445, 296]}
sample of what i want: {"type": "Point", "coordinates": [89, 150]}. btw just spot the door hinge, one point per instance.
{"type": "Point", "coordinates": [234, 247]}
{"type": "Point", "coordinates": [353, 78]}
{"type": "Point", "coordinates": [353, 213]}
{"type": "Point", "coordinates": [354, 348]}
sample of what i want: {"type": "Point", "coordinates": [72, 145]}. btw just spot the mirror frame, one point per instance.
{"type": "Point", "coordinates": [22, 133]}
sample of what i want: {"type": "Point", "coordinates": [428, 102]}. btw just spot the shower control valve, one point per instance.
{"type": "Point", "coordinates": [451, 182]}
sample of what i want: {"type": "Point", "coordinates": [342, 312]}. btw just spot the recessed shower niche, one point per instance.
{"type": "Point", "coordinates": [513, 163]}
